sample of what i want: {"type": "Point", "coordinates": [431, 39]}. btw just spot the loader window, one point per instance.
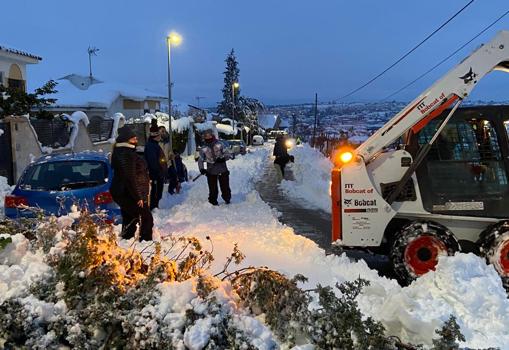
{"type": "Point", "coordinates": [465, 163]}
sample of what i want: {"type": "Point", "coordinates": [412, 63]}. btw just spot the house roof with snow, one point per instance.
{"type": "Point", "coordinates": [21, 53]}
{"type": "Point", "coordinates": [268, 121]}
{"type": "Point", "coordinates": [80, 91]}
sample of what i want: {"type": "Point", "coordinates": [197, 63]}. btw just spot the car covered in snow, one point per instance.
{"type": "Point", "coordinates": [56, 183]}
{"type": "Point", "coordinates": [258, 140]}
{"type": "Point", "coordinates": [237, 147]}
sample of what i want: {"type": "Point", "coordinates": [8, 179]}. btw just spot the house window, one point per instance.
{"type": "Point", "coordinates": [130, 104]}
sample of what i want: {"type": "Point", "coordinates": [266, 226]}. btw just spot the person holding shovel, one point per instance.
{"type": "Point", "coordinates": [215, 155]}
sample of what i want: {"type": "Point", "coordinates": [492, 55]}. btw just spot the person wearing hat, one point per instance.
{"type": "Point", "coordinates": [157, 165]}
{"type": "Point", "coordinates": [215, 155]}
{"type": "Point", "coordinates": [130, 186]}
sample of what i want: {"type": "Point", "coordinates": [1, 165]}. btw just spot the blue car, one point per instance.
{"type": "Point", "coordinates": [54, 183]}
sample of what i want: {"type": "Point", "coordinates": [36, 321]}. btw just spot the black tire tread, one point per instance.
{"type": "Point", "coordinates": [415, 228]}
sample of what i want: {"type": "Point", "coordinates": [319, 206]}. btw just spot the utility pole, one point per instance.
{"type": "Point", "coordinates": [91, 51]}
{"type": "Point", "coordinates": [198, 98]}
{"type": "Point", "coordinates": [294, 124]}
{"type": "Point", "coordinates": [316, 119]}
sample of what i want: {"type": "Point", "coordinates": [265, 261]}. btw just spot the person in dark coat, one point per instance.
{"type": "Point", "coordinates": [157, 166]}
{"type": "Point", "coordinates": [177, 173]}
{"type": "Point", "coordinates": [130, 186]}
{"type": "Point", "coordinates": [281, 154]}
{"type": "Point", "coordinates": [215, 155]}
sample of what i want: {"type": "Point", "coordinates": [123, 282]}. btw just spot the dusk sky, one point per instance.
{"type": "Point", "coordinates": [287, 49]}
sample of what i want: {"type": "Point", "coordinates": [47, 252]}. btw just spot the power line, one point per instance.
{"type": "Point", "coordinates": [406, 54]}
{"type": "Point", "coordinates": [448, 57]}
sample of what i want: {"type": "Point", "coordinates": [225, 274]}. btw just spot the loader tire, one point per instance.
{"type": "Point", "coordinates": [494, 247]}
{"type": "Point", "coordinates": [416, 248]}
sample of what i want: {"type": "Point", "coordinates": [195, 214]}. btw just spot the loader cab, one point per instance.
{"type": "Point", "coordinates": [466, 171]}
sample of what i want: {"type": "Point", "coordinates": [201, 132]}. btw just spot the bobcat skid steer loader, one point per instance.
{"type": "Point", "coordinates": [444, 189]}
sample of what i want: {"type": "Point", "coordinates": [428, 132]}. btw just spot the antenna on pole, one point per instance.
{"type": "Point", "coordinates": [91, 51]}
{"type": "Point", "coordinates": [198, 98]}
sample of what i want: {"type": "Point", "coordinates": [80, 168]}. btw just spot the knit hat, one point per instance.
{"type": "Point", "coordinates": [154, 131]}
{"type": "Point", "coordinates": [125, 133]}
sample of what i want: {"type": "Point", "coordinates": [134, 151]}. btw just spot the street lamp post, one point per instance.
{"type": "Point", "coordinates": [235, 85]}
{"type": "Point", "coordinates": [172, 39]}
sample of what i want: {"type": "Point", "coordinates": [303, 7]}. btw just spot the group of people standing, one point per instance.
{"type": "Point", "coordinates": [138, 182]}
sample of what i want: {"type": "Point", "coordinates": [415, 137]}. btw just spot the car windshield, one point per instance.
{"type": "Point", "coordinates": [236, 143]}
{"type": "Point", "coordinates": [65, 175]}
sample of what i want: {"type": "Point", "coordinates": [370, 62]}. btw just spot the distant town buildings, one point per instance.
{"type": "Point", "coordinates": [13, 72]}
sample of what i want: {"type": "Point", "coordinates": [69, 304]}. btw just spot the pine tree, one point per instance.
{"type": "Point", "coordinates": [231, 76]}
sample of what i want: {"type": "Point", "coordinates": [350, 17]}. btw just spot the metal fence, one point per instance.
{"type": "Point", "coordinates": [51, 133]}
{"type": "Point", "coordinates": [99, 128]}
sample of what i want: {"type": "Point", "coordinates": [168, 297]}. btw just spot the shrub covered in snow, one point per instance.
{"type": "Point", "coordinates": [70, 284]}
{"type": "Point", "coordinates": [91, 293]}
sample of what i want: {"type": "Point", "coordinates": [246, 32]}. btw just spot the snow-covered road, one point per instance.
{"type": "Point", "coordinates": [463, 285]}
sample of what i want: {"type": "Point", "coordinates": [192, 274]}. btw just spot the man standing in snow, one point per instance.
{"type": "Point", "coordinates": [130, 186]}
{"type": "Point", "coordinates": [281, 154]}
{"type": "Point", "coordinates": [215, 155]}
{"type": "Point", "coordinates": [157, 166]}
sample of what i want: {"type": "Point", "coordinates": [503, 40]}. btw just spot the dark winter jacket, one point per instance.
{"type": "Point", "coordinates": [281, 152]}
{"type": "Point", "coordinates": [215, 155]}
{"type": "Point", "coordinates": [179, 175]}
{"type": "Point", "coordinates": [130, 174]}
{"type": "Point", "coordinates": [156, 160]}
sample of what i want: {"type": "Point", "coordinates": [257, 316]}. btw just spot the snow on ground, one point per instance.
{"type": "Point", "coordinates": [462, 285]}
{"type": "Point", "coordinates": [311, 172]}
{"type": "Point", "coordinates": [19, 267]}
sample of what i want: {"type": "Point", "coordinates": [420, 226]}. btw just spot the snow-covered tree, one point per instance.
{"type": "Point", "coordinates": [231, 76]}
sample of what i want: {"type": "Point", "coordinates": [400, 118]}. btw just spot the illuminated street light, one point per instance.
{"type": "Point", "coordinates": [172, 39]}
{"type": "Point", "coordinates": [235, 85]}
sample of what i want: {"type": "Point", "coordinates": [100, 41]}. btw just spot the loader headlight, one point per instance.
{"type": "Point", "coordinates": [346, 157]}
{"type": "Point", "coordinates": [342, 157]}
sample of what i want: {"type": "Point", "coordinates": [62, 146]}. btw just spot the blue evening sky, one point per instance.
{"type": "Point", "coordinates": [287, 49]}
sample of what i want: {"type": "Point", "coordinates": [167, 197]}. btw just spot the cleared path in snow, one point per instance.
{"type": "Point", "coordinates": [310, 223]}
{"type": "Point", "coordinates": [314, 224]}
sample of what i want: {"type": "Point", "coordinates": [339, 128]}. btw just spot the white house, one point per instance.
{"type": "Point", "coordinates": [13, 63]}
{"type": "Point", "coordinates": [104, 99]}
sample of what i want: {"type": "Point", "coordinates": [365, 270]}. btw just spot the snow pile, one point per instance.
{"type": "Point", "coordinates": [177, 298]}
{"type": "Point", "coordinates": [178, 125]}
{"type": "Point", "coordinates": [225, 129]}
{"type": "Point", "coordinates": [311, 184]}
{"type": "Point", "coordinates": [463, 286]}
{"type": "Point", "coordinates": [19, 267]}
{"type": "Point", "coordinates": [208, 125]}
{"type": "Point", "coordinates": [5, 189]}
